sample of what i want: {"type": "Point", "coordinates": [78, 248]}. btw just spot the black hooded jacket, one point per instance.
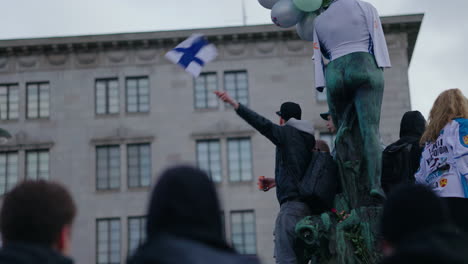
{"type": "Point", "coordinates": [294, 142]}
{"type": "Point", "coordinates": [184, 223]}
{"type": "Point", "coordinates": [23, 253]}
{"type": "Point", "coordinates": [412, 128]}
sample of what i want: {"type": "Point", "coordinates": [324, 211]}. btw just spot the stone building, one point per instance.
{"type": "Point", "coordinates": [105, 114]}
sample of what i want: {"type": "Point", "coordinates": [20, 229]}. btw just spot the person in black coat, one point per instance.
{"type": "Point", "coordinates": [412, 127]}
{"type": "Point", "coordinates": [184, 223]}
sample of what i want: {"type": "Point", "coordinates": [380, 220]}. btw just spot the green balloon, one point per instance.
{"type": "Point", "coordinates": [308, 5]}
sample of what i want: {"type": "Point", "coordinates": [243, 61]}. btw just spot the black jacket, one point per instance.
{"type": "Point", "coordinates": [294, 142]}
{"type": "Point", "coordinates": [412, 127]}
{"type": "Point", "coordinates": [22, 253]}
{"type": "Point", "coordinates": [184, 223]}
{"type": "Point", "coordinates": [168, 249]}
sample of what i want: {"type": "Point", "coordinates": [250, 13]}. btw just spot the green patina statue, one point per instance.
{"type": "Point", "coordinates": [349, 35]}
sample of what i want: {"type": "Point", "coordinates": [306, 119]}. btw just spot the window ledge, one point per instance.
{"type": "Point", "coordinates": [107, 191]}
{"type": "Point", "coordinates": [105, 116]}
{"type": "Point", "coordinates": [139, 189]}
{"type": "Point", "coordinates": [130, 114]}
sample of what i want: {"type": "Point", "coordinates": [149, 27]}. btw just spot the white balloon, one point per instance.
{"type": "Point", "coordinates": [305, 27]}
{"type": "Point", "coordinates": [285, 14]}
{"type": "Point", "coordinates": [268, 4]}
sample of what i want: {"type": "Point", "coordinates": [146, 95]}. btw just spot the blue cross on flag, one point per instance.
{"type": "Point", "coordinates": [193, 53]}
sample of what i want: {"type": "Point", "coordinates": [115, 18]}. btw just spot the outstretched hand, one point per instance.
{"type": "Point", "coordinates": [225, 97]}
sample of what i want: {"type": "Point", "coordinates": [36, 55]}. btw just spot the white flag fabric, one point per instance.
{"type": "Point", "coordinates": [193, 53]}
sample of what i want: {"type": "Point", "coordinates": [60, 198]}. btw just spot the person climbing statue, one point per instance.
{"type": "Point", "coordinates": [349, 35]}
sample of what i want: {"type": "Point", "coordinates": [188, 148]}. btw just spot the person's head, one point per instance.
{"type": "Point", "coordinates": [412, 124]}
{"type": "Point", "coordinates": [184, 203]}
{"type": "Point", "coordinates": [449, 104]}
{"type": "Point", "coordinates": [408, 210]}
{"type": "Point", "coordinates": [329, 122]}
{"type": "Point", "coordinates": [38, 212]}
{"type": "Point", "coordinates": [289, 110]}
{"type": "Point", "coordinates": [321, 146]}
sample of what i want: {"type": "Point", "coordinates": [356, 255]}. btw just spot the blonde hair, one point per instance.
{"type": "Point", "coordinates": [449, 105]}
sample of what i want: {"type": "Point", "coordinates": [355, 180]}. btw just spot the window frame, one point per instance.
{"type": "Point", "coordinates": [26, 160]}
{"type": "Point", "coordinates": [243, 212]}
{"type": "Point", "coordinates": [9, 87]}
{"type": "Point", "coordinates": [108, 178]}
{"type": "Point", "coordinates": [106, 96]}
{"type": "Point", "coordinates": [206, 91]}
{"type": "Point", "coordinates": [8, 185]}
{"type": "Point", "coordinates": [28, 84]}
{"type": "Point", "coordinates": [218, 140]}
{"type": "Point", "coordinates": [109, 252]}
{"type": "Point", "coordinates": [142, 238]}
{"type": "Point", "coordinates": [236, 81]}
{"type": "Point", "coordinates": [140, 185]}
{"type": "Point", "coordinates": [240, 160]}
{"type": "Point", "coordinates": [137, 78]}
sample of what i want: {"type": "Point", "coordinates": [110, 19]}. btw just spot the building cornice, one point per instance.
{"type": "Point", "coordinates": [56, 49]}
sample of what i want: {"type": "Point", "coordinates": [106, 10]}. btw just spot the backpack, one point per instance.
{"type": "Point", "coordinates": [396, 166]}
{"type": "Point", "coordinates": [318, 186]}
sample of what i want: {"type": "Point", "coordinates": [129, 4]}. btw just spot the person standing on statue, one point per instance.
{"type": "Point", "coordinates": [294, 141]}
{"type": "Point", "coordinates": [349, 35]}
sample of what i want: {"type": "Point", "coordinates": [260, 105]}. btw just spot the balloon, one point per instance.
{"type": "Point", "coordinates": [305, 27]}
{"type": "Point", "coordinates": [284, 14]}
{"type": "Point", "coordinates": [268, 4]}
{"type": "Point", "coordinates": [308, 5]}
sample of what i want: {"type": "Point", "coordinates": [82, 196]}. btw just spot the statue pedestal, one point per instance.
{"type": "Point", "coordinates": [344, 237]}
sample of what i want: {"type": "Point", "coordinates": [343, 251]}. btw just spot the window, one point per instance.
{"type": "Point", "coordinates": [240, 159]}
{"type": "Point", "coordinates": [205, 85]}
{"type": "Point", "coordinates": [8, 171]}
{"type": "Point", "coordinates": [209, 158]}
{"type": "Point", "coordinates": [38, 95]}
{"type": "Point", "coordinates": [243, 232]}
{"type": "Point", "coordinates": [329, 138]}
{"type": "Point", "coordinates": [321, 96]}
{"type": "Point", "coordinates": [37, 164]}
{"type": "Point", "coordinates": [107, 96]}
{"type": "Point", "coordinates": [9, 101]}
{"type": "Point", "coordinates": [108, 241]}
{"type": "Point", "coordinates": [236, 84]}
{"type": "Point", "coordinates": [108, 167]}
{"type": "Point", "coordinates": [136, 233]}
{"type": "Point", "coordinates": [139, 165]}
{"type": "Point", "coordinates": [138, 99]}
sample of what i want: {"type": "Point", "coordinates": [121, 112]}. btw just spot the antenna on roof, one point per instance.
{"type": "Point", "coordinates": [244, 14]}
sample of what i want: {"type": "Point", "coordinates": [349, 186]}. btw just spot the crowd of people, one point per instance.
{"type": "Point", "coordinates": [424, 216]}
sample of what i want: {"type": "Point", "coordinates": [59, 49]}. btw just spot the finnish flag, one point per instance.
{"type": "Point", "coordinates": [193, 53]}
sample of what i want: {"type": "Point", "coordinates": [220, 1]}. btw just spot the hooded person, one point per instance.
{"type": "Point", "coordinates": [294, 140]}
{"type": "Point", "coordinates": [184, 224]}
{"type": "Point", "coordinates": [400, 160]}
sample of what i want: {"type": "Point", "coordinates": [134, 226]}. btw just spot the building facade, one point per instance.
{"type": "Point", "coordinates": [106, 114]}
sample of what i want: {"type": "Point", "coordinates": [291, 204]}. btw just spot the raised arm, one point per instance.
{"type": "Point", "coordinates": [260, 123]}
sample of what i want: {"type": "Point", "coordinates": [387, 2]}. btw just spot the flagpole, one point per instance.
{"type": "Point", "coordinates": [244, 14]}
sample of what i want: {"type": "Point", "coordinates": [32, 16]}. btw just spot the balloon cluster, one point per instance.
{"type": "Point", "coordinates": [302, 13]}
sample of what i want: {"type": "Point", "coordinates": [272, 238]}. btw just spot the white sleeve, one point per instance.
{"type": "Point", "coordinates": [318, 60]}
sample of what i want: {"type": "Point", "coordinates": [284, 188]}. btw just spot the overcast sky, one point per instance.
{"type": "Point", "coordinates": [440, 60]}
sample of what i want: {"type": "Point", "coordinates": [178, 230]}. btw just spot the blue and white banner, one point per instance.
{"type": "Point", "coordinates": [193, 53]}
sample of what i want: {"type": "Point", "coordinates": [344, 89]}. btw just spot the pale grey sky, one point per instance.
{"type": "Point", "coordinates": [440, 60]}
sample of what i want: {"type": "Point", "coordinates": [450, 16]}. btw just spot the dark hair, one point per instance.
{"type": "Point", "coordinates": [184, 203]}
{"type": "Point", "coordinates": [411, 209]}
{"type": "Point", "coordinates": [36, 212]}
